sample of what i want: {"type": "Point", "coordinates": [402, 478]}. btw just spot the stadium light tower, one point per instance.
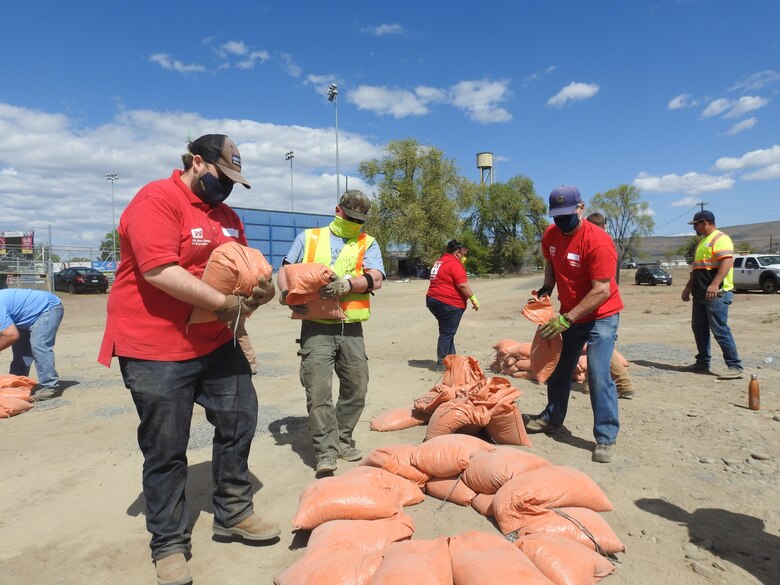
{"type": "Point", "coordinates": [113, 177]}
{"type": "Point", "coordinates": [333, 92]}
{"type": "Point", "coordinates": [290, 156]}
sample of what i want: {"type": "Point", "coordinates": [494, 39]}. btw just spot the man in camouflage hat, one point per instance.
{"type": "Point", "coordinates": [328, 345]}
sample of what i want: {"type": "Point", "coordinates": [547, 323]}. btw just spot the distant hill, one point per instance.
{"type": "Point", "coordinates": [759, 235]}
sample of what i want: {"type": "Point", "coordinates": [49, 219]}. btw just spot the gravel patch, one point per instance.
{"type": "Point", "coordinates": [202, 432]}
{"type": "Point", "coordinates": [110, 411]}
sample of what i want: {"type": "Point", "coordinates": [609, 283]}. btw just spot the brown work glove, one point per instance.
{"type": "Point", "coordinates": [261, 294]}
{"type": "Point", "coordinates": [300, 309]}
{"type": "Point", "coordinates": [231, 309]}
{"type": "Point", "coordinates": [246, 345]}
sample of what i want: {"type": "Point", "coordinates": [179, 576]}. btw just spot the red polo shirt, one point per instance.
{"type": "Point", "coordinates": [446, 273]}
{"type": "Point", "coordinates": [586, 255]}
{"type": "Point", "coordinates": [164, 223]}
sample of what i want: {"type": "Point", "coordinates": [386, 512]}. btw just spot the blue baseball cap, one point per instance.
{"type": "Point", "coordinates": [564, 200]}
{"type": "Point", "coordinates": [703, 215]}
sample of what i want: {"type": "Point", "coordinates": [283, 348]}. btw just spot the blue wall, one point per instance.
{"type": "Point", "coordinates": [273, 232]}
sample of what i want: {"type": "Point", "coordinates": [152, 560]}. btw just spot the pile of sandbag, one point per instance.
{"type": "Point", "coordinates": [360, 533]}
{"type": "Point", "coordinates": [15, 392]}
{"type": "Point", "coordinates": [464, 402]}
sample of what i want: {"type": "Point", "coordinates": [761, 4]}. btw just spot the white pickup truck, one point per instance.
{"type": "Point", "coordinates": [757, 272]}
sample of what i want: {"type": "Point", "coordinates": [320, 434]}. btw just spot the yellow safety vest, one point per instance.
{"type": "Point", "coordinates": [356, 306]}
{"type": "Point", "coordinates": [710, 253]}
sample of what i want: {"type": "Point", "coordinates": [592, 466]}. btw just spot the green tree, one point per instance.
{"type": "Point", "coordinates": [416, 191]}
{"type": "Point", "coordinates": [688, 248]}
{"type": "Point", "coordinates": [509, 218]}
{"type": "Point", "coordinates": [107, 246]}
{"type": "Point", "coordinates": [627, 218]}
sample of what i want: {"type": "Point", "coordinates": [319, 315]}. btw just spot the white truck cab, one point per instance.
{"type": "Point", "coordinates": [757, 272]}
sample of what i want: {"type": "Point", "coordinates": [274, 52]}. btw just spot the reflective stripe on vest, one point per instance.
{"type": "Point", "coordinates": [703, 262]}
{"type": "Point", "coordinates": [356, 306]}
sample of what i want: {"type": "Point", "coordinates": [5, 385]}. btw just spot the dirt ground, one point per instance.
{"type": "Point", "coordinates": [694, 486]}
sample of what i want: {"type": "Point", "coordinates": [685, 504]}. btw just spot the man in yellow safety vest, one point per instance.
{"type": "Point", "coordinates": [328, 346]}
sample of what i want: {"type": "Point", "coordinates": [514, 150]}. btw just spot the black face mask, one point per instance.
{"type": "Point", "coordinates": [212, 190]}
{"type": "Point", "coordinates": [567, 223]}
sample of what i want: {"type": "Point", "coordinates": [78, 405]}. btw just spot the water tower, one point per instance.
{"type": "Point", "coordinates": [485, 166]}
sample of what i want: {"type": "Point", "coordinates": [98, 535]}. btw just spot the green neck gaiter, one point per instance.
{"type": "Point", "coordinates": [343, 228]}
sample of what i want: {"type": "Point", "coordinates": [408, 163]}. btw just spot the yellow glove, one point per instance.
{"type": "Point", "coordinates": [474, 302]}
{"type": "Point", "coordinates": [554, 326]}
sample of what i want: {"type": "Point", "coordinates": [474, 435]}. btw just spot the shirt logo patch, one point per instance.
{"type": "Point", "coordinates": [230, 232]}
{"type": "Point", "coordinates": [552, 250]}
{"type": "Point", "coordinates": [574, 259]}
{"type": "Point", "coordinates": [197, 233]}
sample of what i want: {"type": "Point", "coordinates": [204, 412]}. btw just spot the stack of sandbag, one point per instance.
{"type": "Point", "coordinates": [549, 514]}
{"type": "Point", "coordinates": [464, 402]}
{"type": "Point", "coordinates": [513, 358]}
{"type": "Point", "coordinates": [15, 392]}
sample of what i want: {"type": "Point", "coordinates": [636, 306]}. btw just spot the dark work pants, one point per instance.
{"type": "Point", "coordinates": [164, 394]}
{"type": "Point", "coordinates": [449, 320]}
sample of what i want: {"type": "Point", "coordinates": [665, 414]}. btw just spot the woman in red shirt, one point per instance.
{"type": "Point", "coordinates": [447, 295]}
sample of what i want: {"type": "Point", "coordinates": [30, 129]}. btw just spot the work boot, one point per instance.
{"type": "Point", "coordinates": [173, 570]}
{"type": "Point", "coordinates": [44, 394]}
{"type": "Point", "coordinates": [730, 374]}
{"type": "Point", "coordinates": [540, 425]}
{"type": "Point", "coordinates": [251, 528]}
{"type": "Point", "coordinates": [349, 453]}
{"type": "Point", "coordinates": [604, 453]}
{"type": "Point", "coordinates": [697, 368]}
{"type": "Point", "coordinates": [626, 394]}
{"type": "Point", "coordinates": [326, 465]}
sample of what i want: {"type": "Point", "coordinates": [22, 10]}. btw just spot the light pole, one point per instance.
{"type": "Point", "coordinates": [113, 177]}
{"type": "Point", "coordinates": [289, 156]}
{"type": "Point", "coordinates": [333, 92]}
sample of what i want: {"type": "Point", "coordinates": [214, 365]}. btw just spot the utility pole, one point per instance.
{"type": "Point", "coordinates": [290, 156]}
{"type": "Point", "coordinates": [333, 92]}
{"type": "Point", "coordinates": [113, 177]}
{"type": "Point", "coordinates": [702, 204]}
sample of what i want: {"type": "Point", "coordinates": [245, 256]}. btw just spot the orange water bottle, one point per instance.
{"type": "Point", "coordinates": [754, 397]}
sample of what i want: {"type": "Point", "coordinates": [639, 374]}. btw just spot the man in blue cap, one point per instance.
{"type": "Point", "coordinates": [581, 261]}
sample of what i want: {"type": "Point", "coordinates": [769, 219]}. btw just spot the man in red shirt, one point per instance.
{"type": "Point", "coordinates": [581, 262]}
{"type": "Point", "coordinates": [166, 236]}
{"type": "Point", "coordinates": [447, 295]}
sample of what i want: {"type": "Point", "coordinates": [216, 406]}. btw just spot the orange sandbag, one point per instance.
{"type": "Point", "coordinates": [564, 561]}
{"type": "Point", "coordinates": [415, 561]}
{"type": "Point", "coordinates": [407, 493]}
{"type": "Point", "coordinates": [398, 419]}
{"type": "Point", "coordinates": [304, 281]}
{"type": "Point", "coordinates": [332, 565]}
{"type": "Point", "coordinates": [364, 535]}
{"type": "Point", "coordinates": [457, 416]}
{"type": "Point", "coordinates": [544, 356]}
{"type": "Point", "coordinates": [14, 381]}
{"type": "Point", "coordinates": [523, 364]}
{"type": "Point", "coordinates": [461, 370]}
{"type": "Point", "coordinates": [447, 455]}
{"type": "Point", "coordinates": [479, 558]}
{"type": "Point", "coordinates": [567, 523]}
{"type": "Point", "coordinates": [553, 486]}
{"type": "Point", "coordinates": [20, 392]}
{"type": "Point", "coordinates": [522, 375]}
{"type": "Point", "coordinates": [232, 269]}
{"type": "Point", "coordinates": [344, 497]}
{"type": "Point", "coordinates": [623, 361]}
{"type": "Point", "coordinates": [397, 459]}
{"type": "Point", "coordinates": [506, 425]}
{"type": "Point", "coordinates": [508, 347]}
{"type": "Point", "coordinates": [488, 471]}
{"type": "Point", "coordinates": [538, 311]}
{"type": "Point", "coordinates": [450, 489]}
{"type": "Point", "coordinates": [436, 396]}
{"type": "Point", "coordinates": [11, 406]}
{"type": "Point", "coordinates": [483, 504]}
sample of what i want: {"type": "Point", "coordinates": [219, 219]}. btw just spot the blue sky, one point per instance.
{"type": "Point", "coordinates": [680, 98]}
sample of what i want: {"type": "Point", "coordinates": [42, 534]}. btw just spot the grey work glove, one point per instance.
{"type": "Point", "coordinates": [261, 294]}
{"type": "Point", "coordinates": [337, 287]}
{"type": "Point", "coordinates": [231, 309]}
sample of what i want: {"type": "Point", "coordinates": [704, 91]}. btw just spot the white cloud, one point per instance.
{"type": "Point", "coordinates": [234, 47]}
{"type": "Point", "coordinates": [686, 202]}
{"type": "Point", "coordinates": [745, 104]}
{"type": "Point", "coordinates": [689, 183]}
{"type": "Point", "coordinates": [754, 158]}
{"type": "Point", "coordinates": [716, 107]}
{"type": "Point", "coordinates": [539, 75]}
{"type": "Point", "coordinates": [765, 174]}
{"type": "Point", "coordinates": [384, 30]}
{"type": "Point", "coordinates": [734, 108]}
{"type": "Point", "coordinates": [289, 65]}
{"type": "Point", "coordinates": [399, 103]}
{"type": "Point", "coordinates": [164, 60]}
{"type": "Point", "coordinates": [574, 92]}
{"type": "Point", "coordinates": [254, 57]}
{"type": "Point", "coordinates": [52, 170]}
{"type": "Point", "coordinates": [757, 80]}
{"type": "Point", "coordinates": [681, 101]}
{"type": "Point", "coordinates": [746, 124]}
{"type": "Point", "coordinates": [481, 98]}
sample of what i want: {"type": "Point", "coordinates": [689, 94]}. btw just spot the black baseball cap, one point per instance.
{"type": "Point", "coordinates": [222, 152]}
{"type": "Point", "coordinates": [703, 215]}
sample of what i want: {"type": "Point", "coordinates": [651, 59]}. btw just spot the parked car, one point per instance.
{"type": "Point", "coordinates": [80, 279]}
{"type": "Point", "coordinates": [629, 264]}
{"type": "Point", "coordinates": [652, 275]}
{"type": "Point", "coordinates": [757, 272]}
